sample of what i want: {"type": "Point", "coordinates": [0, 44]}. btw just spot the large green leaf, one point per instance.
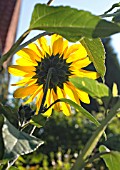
{"type": "Point", "coordinates": [17, 142]}
{"type": "Point", "coordinates": [70, 22]}
{"type": "Point", "coordinates": [96, 53]}
{"type": "Point", "coordinates": [92, 87]}
{"type": "Point", "coordinates": [81, 110]}
{"type": "Point", "coordinates": [112, 158]}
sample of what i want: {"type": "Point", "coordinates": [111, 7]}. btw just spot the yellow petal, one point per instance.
{"type": "Point", "coordinates": [39, 99]}
{"type": "Point", "coordinates": [73, 48]}
{"type": "Point", "coordinates": [44, 47]}
{"type": "Point", "coordinates": [80, 64]}
{"type": "Point", "coordinates": [47, 101]}
{"type": "Point", "coordinates": [55, 97]}
{"type": "Point", "coordinates": [31, 81]}
{"type": "Point", "coordinates": [74, 91]}
{"type": "Point", "coordinates": [25, 81]}
{"type": "Point", "coordinates": [81, 53]}
{"type": "Point", "coordinates": [64, 106]}
{"type": "Point", "coordinates": [70, 93]}
{"type": "Point", "coordinates": [38, 90]}
{"type": "Point", "coordinates": [30, 74]}
{"type": "Point", "coordinates": [65, 46]}
{"type": "Point", "coordinates": [85, 73]}
{"type": "Point", "coordinates": [20, 70]}
{"type": "Point", "coordinates": [25, 91]}
{"type": "Point", "coordinates": [22, 82]}
{"type": "Point", "coordinates": [24, 62]}
{"type": "Point", "coordinates": [57, 46]}
{"type": "Point", "coordinates": [28, 54]}
{"type": "Point", "coordinates": [54, 37]}
{"type": "Point", "coordinates": [83, 96]}
{"type": "Point", "coordinates": [38, 52]}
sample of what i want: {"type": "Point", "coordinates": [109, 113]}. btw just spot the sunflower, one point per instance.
{"type": "Point", "coordinates": [66, 61]}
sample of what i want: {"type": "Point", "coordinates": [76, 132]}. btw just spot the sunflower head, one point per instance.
{"type": "Point", "coordinates": [66, 61]}
{"type": "Point", "coordinates": [60, 71]}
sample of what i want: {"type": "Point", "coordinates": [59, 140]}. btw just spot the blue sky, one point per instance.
{"type": "Point", "coordinates": [94, 6]}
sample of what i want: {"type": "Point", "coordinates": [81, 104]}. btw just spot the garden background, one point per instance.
{"type": "Point", "coordinates": [65, 136]}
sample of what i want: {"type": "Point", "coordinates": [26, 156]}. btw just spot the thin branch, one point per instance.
{"type": "Point", "coordinates": [32, 40]}
{"type": "Point", "coordinates": [49, 2]}
{"type": "Point", "coordinates": [58, 100]}
{"type": "Point", "coordinates": [16, 47]}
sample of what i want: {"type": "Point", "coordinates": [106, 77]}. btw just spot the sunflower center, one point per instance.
{"type": "Point", "coordinates": [60, 71]}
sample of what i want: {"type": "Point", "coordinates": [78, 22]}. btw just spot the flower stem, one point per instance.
{"type": "Point", "coordinates": [46, 89]}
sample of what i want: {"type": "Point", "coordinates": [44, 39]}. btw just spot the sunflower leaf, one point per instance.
{"type": "Point", "coordinates": [81, 110]}
{"type": "Point", "coordinates": [92, 87]}
{"type": "Point", "coordinates": [17, 142]}
{"type": "Point", "coordinates": [70, 22]}
{"type": "Point", "coordinates": [96, 53]}
{"type": "Point", "coordinates": [112, 158]}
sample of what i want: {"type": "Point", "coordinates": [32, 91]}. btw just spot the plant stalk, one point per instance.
{"type": "Point", "coordinates": [80, 162]}
{"type": "Point", "coordinates": [46, 89]}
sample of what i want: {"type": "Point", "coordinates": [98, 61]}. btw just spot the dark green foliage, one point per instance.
{"type": "Point", "coordinates": [62, 134]}
{"type": "Point", "coordinates": [112, 66]}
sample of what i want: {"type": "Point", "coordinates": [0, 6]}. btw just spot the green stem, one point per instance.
{"type": "Point", "coordinates": [49, 2]}
{"type": "Point", "coordinates": [46, 89]}
{"type": "Point", "coordinates": [32, 40]}
{"type": "Point", "coordinates": [79, 164]}
{"type": "Point", "coordinates": [16, 47]}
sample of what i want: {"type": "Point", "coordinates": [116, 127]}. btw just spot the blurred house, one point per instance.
{"type": "Point", "coordinates": [9, 14]}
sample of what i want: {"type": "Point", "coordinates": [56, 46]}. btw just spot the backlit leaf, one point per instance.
{"type": "Point", "coordinates": [96, 53]}
{"type": "Point", "coordinates": [112, 158]}
{"type": "Point", "coordinates": [70, 22]}
{"type": "Point", "coordinates": [92, 87]}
